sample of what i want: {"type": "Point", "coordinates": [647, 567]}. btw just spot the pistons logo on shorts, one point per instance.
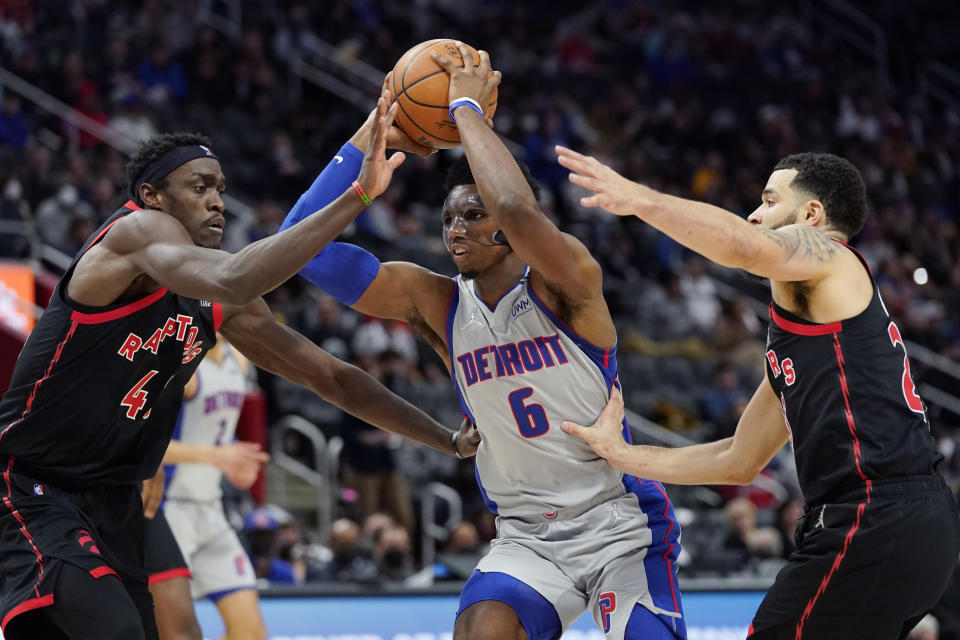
{"type": "Point", "coordinates": [550, 516]}
{"type": "Point", "coordinates": [607, 604]}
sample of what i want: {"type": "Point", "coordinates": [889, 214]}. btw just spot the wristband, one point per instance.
{"type": "Point", "coordinates": [364, 198]}
{"type": "Point", "coordinates": [465, 102]}
{"type": "Point", "coordinates": [453, 440]}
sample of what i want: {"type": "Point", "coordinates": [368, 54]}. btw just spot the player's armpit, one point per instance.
{"type": "Point", "coordinates": [408, 292]}
{"type": "Point", "coordinates": [792, 253]}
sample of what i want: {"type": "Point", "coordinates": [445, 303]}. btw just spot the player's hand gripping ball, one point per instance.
{"type": "Point", "coordinates": [421, 86]}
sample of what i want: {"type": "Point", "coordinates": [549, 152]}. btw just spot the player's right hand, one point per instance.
{"type": "Point", "coordinates": [240, 462]}
{"type": "Point", "coordinates": [605, 436]}
{"type": "Point", "coordinates": [612, 191]}
{"type": "Point", "coordinates": [396, 138]}
{"type": "Point", "coordinates": [377, 170]}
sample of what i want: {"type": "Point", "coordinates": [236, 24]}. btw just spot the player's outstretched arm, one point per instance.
{"type": "Point", "coordinates": [556, 256]}
{"type": "Point", "coordinates": [268, 344]}
{"type": "Point", "coordinates": [735, 460]}
{"type": "Point", "coordinates": [792, 253]}
{"type": "Point", "coordinates": [160, 247]}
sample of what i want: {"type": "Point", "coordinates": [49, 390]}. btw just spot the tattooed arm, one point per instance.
{"type": "Point", "coordinates": [792, 253]}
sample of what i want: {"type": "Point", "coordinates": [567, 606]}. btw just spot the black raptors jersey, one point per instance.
{"type": "Point", "coordinates": [849, 402]}
{"type": "Point", "coordinates": [95, 393]}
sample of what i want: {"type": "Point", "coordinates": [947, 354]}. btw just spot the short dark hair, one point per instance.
{"type": "Point", "coordinates": [459, 173]}
{"type": "Point", "coordinates": [833, 181]}
{"type": "Point", "coordinates": [152, 150]}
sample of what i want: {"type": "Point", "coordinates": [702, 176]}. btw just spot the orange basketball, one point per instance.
{"type": "Point", "coordinates": [421, 86]}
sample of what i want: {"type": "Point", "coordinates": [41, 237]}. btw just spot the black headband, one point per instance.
{"type": "Point", "coordinates": [165, 164]}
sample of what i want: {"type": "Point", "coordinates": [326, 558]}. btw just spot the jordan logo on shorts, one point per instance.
{"type": "Point", "coordinates": [607, 604]}
{"type": "Point", "coordinates": [819, 524]}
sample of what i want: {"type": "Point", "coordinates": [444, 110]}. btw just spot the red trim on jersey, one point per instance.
{"type": "Point", "coordinates": [26, 605]}
{"type": "Point", "coordinates": [750, 630]}
{"type": "Point", "coordinates": [217, 316]}
{"type": "Point", "coordinates": [169, 574]}
{"type": "Point", "coordinates": [133, 206]}
{"type": "Point", "coordinates": [804, 329]}
{"type": "Point", "coordinates": [23, 527]}
{"type": "Point", "coordinates": [666, 554]}
{"type": "Point", "coordinates": [860, 507]}
{"type": "Point", "coordinates": [36, 385]}
{"type": "Point", "coordinates": [826, 579]}
{"type": "Point", "coordinates": [107, 316]}
{"type": "Point", "coordinates": [606, 358]}
{"type": "Point", "coordinates": [101, 234]}
{"type": "Point", "coordinates": [851, 425]}
{"type": "Point", "coordinates": [99, 572]}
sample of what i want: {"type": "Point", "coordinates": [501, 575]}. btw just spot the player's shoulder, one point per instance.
{"type": "Point", "coordinates": [143, 227]}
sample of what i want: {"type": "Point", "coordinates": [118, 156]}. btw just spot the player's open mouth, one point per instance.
{"type": "Point", "coordinates": [458, 251]}
{"type": "Point", "coordinates": [216, 224]}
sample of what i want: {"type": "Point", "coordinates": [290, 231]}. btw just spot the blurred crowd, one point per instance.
{"type": "Point", "coordinates": [694, 98]}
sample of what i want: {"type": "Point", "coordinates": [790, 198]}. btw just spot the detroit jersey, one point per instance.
{"type": "Point", "coordinates": [95, 392]}
{"type": "Point", "coordinates": [209, 417]}
{"type": "Point", "coordinates": [849, 402]}
{"type": "Point", "coordinates": [519, 371]}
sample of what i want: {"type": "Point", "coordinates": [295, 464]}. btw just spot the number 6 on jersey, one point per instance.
{"type": "Point", "coordinates": [531, 419]}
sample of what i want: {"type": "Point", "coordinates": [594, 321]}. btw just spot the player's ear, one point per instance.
{"type": "Point", "coordinates": [814, 214]}
{"type": "Point", "coordinates": [150, 196]}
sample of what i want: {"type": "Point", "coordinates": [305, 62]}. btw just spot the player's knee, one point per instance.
{"type": "Point", "coordinates": [488, 620]}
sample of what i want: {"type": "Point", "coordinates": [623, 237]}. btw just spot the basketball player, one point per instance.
{"type": "Point", "coordinates": [95, 393]}
{"type": "Point", "coordinates": [880, 536]}
{"type": "Point", "coordinates": [201, 453]}
{"type": "Point", "coordinates": [527, 336]}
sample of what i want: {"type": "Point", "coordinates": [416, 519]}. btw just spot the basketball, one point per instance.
{"type": "Point", "coordinates": [421, 86]}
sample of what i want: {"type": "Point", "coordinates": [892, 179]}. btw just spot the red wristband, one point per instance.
{"type": "Point", "coordinates": [364, 198]}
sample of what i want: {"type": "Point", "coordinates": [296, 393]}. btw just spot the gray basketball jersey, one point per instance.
{"type": "Point", "coordinates": [209, 418]}
{"type": "Point", "coordinates": [519, 371]}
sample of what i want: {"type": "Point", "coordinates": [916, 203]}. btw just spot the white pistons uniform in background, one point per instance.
{"type": "Point", "coordinates": [581, 533]}
{"type": "Point", "coordinates": [192, 505]}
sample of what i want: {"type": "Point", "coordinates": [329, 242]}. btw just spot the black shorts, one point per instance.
{"type": "Point", "coordinates": [42, 526]}
{"type": "Point", "coordinates": [865, 569]}
{"type": "Point", "coordinates": [163, 559]}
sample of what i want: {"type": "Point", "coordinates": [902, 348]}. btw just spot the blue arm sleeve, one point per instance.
{"type": "Point", "coordinates": [342, 270]}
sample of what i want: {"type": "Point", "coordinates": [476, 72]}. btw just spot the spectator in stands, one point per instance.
{"type": "Point", "coordinates": [55, 216]}
{"type": "Point", "coordinates": [391, 549]}
{"type": "Point", "coordinates": [724, 401]}
{"type": "Point", "coordinates": [352, 559]}
{"type": "Point", "coordinates": [260, 527]}
{"type": "Point", "coordinates": [13, 124]}
{"type": "Point", "coordinates": [745, 537]}
{"type": "Point", "coordinates": [14, 209]}
{"type": "Point", "coordinates": [161, 76]}
{"type": "Point", "coordinates": [788, 517]}
{"type": "Point", "coordinates": [369, 454]}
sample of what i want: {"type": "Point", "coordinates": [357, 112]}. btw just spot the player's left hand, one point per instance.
{"type": "Point", "coordinates": [468, 82]}
{"type": "Point", "coordinates": [605, 436]}
{"type": "Point", "coordinates": [469, 439]}
{"type": "Point", "coordinates": [152, 493]}
{"type": "Point", "coordinates": [610, 190]}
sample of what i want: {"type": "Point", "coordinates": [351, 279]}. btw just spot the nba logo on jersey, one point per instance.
{"type": "Point", "coordinates": [38, 489]}
{"type": "Point", "coordinates": [607, 605]}
{"type": "Point", "coordinates": [205, 150]}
